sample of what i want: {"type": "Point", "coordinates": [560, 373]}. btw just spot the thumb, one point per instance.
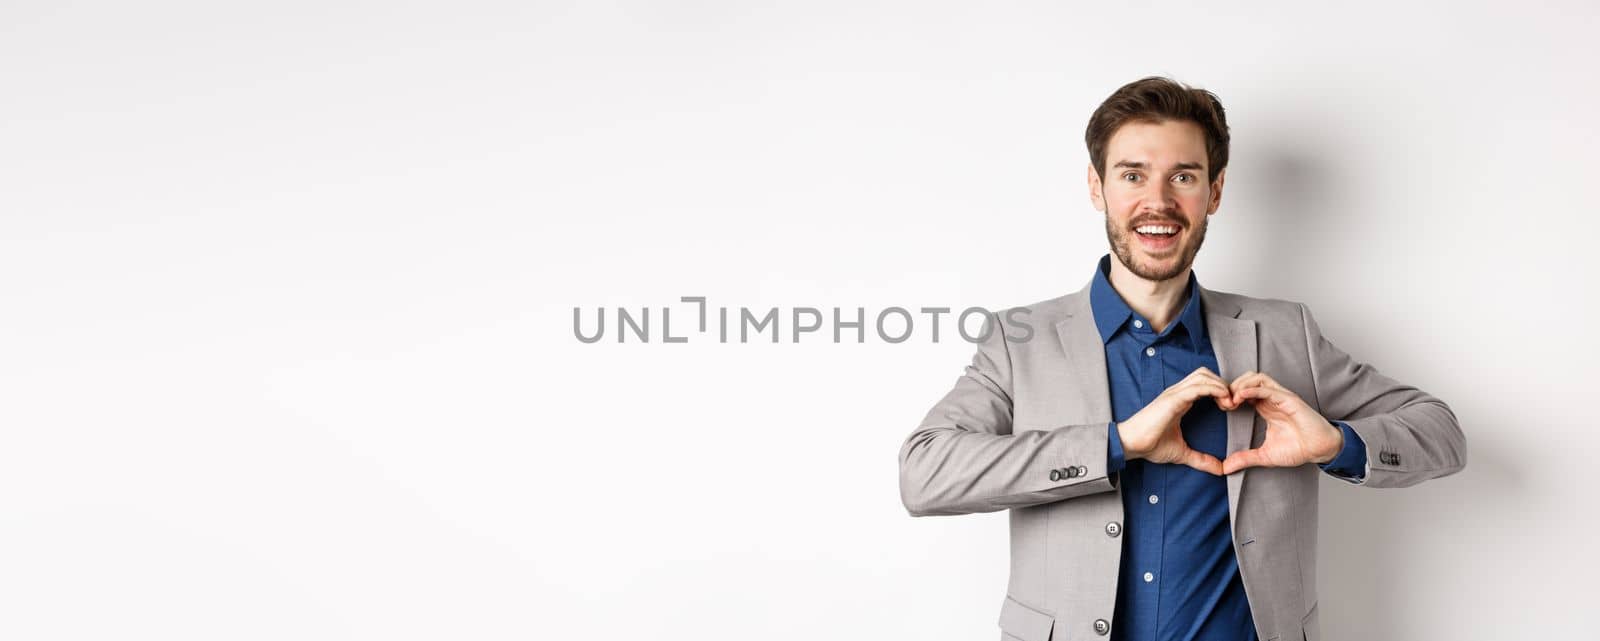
{"type": "Point", "coordinates": [1203, 462]}
{"type": "Point", "coordinates": [1242, 459]}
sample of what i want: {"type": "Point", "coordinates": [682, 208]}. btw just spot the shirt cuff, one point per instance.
{"type": "Point", "coordinates": [1351, 462]}
{"type": "Point", "coordinates": [1114, 455]}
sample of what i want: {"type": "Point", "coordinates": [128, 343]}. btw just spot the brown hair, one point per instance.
{"type": "Point", "coordinates": [1155, 100]}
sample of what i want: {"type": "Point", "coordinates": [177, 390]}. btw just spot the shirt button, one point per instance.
{"type": "Point", "coordinates": [1148, 577]}
{"type": "Point", "coordinates": [1149, 351]}
{"type": "Point", "coordinates": [1138, 323]}
{"type": "Point", "coordinates": [1154, 499]}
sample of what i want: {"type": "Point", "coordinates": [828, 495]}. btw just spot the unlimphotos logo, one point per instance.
{"type": "Point", "coordinates": [739, 324]}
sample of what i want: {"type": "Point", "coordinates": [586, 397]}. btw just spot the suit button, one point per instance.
{"type": "Point", "coordinates": [1083, 471]}
{"type": "Point", "coordinates": [1055, 475]}
{"type": "Point", "coordinates": [1072, 472]}
{"type": "Point", "coordinates": [1101, 627]}
{"type": "Point", "coordinates": [1113, 529]}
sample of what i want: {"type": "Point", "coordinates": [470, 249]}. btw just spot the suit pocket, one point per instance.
{"type": "Point", "coordinates": [1024, 622]}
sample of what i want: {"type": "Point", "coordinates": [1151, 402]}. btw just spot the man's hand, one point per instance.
{"type": "Point", "coordinates": [1296, 434]}
{"type": "Point", "coordinates": [1153, 434]}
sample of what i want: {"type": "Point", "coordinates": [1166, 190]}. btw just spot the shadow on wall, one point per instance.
{"type": "Point", "coordinates": [1291, 202]}
{"type": "Point", "coordinates": [1370, 541]}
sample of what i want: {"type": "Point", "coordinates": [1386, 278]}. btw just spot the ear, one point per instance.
{"type": "Point", "coordinates": [1216, 192]}
{"type": "Point", "coordinates": [1097, 195]}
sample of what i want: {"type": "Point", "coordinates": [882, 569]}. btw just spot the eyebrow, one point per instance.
{"type": "Point", "coordinates": [1139, 165]}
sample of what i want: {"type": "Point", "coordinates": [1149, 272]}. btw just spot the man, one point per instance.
{"type": "Point", "coordinates": [1158, 444]}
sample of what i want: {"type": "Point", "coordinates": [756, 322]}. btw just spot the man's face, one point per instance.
{"type": "Point", "coordinates": [1156, 181]}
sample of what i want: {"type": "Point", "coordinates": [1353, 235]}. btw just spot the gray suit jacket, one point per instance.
{"type": "Point", "coordinates": [1025, 409]}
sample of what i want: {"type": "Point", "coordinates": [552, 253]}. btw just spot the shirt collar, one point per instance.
{"type": "Point", "coordinates": [1110, 312]}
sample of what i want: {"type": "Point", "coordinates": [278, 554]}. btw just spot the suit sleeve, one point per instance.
{"type": "Point", "coordinates": [963, 458]}
{"type": "Point", "coordinates": [1409, 435]}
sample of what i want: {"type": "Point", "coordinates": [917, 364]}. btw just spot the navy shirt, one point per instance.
{"type": "Point", "coordinates": [1179, 579]}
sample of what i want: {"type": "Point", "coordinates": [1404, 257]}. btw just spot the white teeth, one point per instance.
{"type": "Point", "coordinates": [1156, 229]}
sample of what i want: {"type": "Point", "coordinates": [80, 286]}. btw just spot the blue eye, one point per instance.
{"type": "Point", "coordinates": [1186, 178]}
{"type": "Point", "coordinates": [1130, 177]}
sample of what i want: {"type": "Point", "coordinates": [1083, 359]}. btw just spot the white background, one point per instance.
{"type": "Point", "coordinates": [286, 343]}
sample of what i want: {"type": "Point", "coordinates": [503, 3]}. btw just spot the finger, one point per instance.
{"type": "Point", "coordinates": [1186, 389]}
{"type": "Point", "coordinates": [1209, 375]}
{"type": "Point", "coordinates": [1223, 395]}
{"type": "Point", "coordinates": [1256, 379]}
{"type": "Point", "coordinates": [1203, 462]}
{"type": "Point", "coordinates": [1205, 372]}
{"type": "Point", "coordinates": [1277, 397]}
{"type": "Point", "coordinates": [1247, 379]}
{"type": "Point", "coordinates": [1226, 400]}
{"type": "Point", "coordinates": [1242, 459]}
{"type": "Point", "coordinates": [1205, 387]}
{"type": "Point", "coordinates": [1247, 382]}
{"type": "Point", "coordinates": [1206, 384]}
{"type": "Point", "coordinates": [1271, 382]}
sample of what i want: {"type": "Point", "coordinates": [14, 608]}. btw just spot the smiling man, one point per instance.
{"type": "Point", "coordinates": [1158, 445]}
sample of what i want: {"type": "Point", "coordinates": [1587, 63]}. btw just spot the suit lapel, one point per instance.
{"type": "Point", "coordinates": [1233, 339]}
{"type": "Point", "coordinates": [1080, 339]}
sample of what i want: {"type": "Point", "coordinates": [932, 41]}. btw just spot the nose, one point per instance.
{"type": "Point", "coordinates": [1162, 200]}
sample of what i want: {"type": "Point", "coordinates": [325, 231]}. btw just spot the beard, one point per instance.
{"type": "Point", "coordinates": [1122, 245]}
